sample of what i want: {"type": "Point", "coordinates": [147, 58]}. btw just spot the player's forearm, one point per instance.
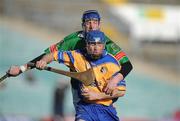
{"type": "Point", "coordinates": [25, 67]}
{"type": "Point", "coordinates": [118, 77]}
{"type": "Point", "coordinates": [48, 58]}
{"type": "Point", "coordinates": [44, 61]}
{"type": "Point", "coordinates": [16, 70]}
{"type": "Point", "coordinates": [115, 94]}
{"type": "Point", "coordinates": [37, 58]}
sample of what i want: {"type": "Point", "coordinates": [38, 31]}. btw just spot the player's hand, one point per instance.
{"type": "Point", "coordinates": [41, 64]}
{"type": "Point", "coordinates": [89, 95]}
{"type": "Point", "coordinates": [14, 71]}
{"type": "Point", "coordinates": [112, 84]}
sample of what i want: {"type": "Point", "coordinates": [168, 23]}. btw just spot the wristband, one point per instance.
{"type": "Point", "coordinates": [23, 68]}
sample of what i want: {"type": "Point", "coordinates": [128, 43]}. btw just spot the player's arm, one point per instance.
{"type": "Point", "coordinates": [44, 61]}
{"type": "Point", "coordinates": [123, 60]}
{"type": "Point", "coordinates": [59, 56]}
{"type": "Point", "coordinates": [112, 83]}
{"type": "Point", "coordinates": [66, 44]}
{"type": "Point", "coordinates": [116, 93]}
{"type": "Point", "coordinates": [120, 56]}
{"type": "Point", "coordinates": [16, 70]}
{"type": "Point", "coordinates": [50, 51]}
{"type": "Point", "coordinates": [92, 95]}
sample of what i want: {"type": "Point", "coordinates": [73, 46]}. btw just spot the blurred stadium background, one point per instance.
{"type": "Point", "coordinates": [147, 30]}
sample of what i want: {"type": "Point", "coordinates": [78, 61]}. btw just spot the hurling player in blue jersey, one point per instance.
{"type": "Point", "coordinates": [93, 103]}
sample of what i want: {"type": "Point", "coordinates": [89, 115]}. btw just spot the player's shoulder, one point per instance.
{"type": "Point", "coordinates": [108, 40]}
{"type": "Point", "coordinates": [74, 35]}
{"type": "Point", "coordinates": [80, 52]}
{"type": "Point", "coordinates": [76, 52]}
{"type": "Point", "coordinates": [110, 58]}
{"type": "Point", "coordinates": [111, 46]}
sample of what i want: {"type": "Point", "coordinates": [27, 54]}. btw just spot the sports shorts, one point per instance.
{"type": "Point", "coordinates": [95, 112]}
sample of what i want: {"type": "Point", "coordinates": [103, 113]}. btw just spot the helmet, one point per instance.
{"type": "Point", "coordinates": [95, 36]}
{"type": "Point", "coordinates": [91, 14]}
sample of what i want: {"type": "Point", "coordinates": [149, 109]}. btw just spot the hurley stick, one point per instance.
{"type": "Point", "coordinates": [4, 77]}
{"type": "Point", "coordinates": [86, 77]}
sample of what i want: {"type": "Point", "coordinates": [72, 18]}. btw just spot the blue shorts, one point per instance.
{"type": "Point", "coordinates": [95, 112]}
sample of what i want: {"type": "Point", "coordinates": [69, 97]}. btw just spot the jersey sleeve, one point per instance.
{"type": "Point", "coordinates": [62, 45]}
{"type": "Point", "coordinates": [115, 50]}
{"type": "Point", "coordinates": [120, 56]}
{"type": "Point", "coordinates": [122, 85]}
{"type": "Point", "coordinates": [64, 57]}
{"type": "Point", "coordinates": [68, 43]}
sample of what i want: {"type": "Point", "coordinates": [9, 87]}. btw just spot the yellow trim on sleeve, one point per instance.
{"type": "Point", "coordinates": [55, 55]}
{"type": "Point", "coordinates": [121, 88]}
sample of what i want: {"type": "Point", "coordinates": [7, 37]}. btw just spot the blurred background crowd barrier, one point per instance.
{"type": "Point", "coordinates": [147, 30]}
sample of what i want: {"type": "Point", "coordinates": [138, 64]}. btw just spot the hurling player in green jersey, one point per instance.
{"type": "Point", "coordinates": [90, 21]}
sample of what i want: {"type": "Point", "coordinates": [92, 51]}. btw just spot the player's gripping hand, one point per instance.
{"type": "Point", "coordinates": [41, 64]}
{"type": "Point", "coordinates": [14, 71]}
{"type": "Point", "coordinates": [90, 95]}
{"type": "Point", "coordinates": [112, 84]}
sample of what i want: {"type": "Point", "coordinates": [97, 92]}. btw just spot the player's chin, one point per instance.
{"type": "Point", "coordinates": [96, 56]}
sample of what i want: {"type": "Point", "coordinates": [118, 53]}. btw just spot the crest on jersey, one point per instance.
{"type": "Point", "coordinates": [115, 47]}
{"type": "Point", "coordinates": [103, 70]}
